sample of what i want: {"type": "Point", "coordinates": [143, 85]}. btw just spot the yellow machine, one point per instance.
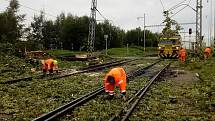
{"type": "Point", "coordinates": [169, 43]}
{"type": "Point", "coordinates": [169, 47]}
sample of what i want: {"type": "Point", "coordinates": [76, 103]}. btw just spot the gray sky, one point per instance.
{"type": "Point", "coordinates": [123, 13]}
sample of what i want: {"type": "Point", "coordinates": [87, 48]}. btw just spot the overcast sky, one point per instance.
{"type": "Point", "coordinates": [123, 13]}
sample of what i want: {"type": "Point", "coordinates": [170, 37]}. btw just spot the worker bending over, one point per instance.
{"type": "Point", "coordinates": [207, 52]}
{"type": "Point", "coordinates": [50, 65]}
{"type": "Point", "coordinates": [115, 77]}
{"type": "Point", "coordinates": [182, 55]}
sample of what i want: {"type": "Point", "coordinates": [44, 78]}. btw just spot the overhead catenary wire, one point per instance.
{"type": "Point", "coordinates": [105, 18]}
{"type": "Point", "coordinates": [162, 5]}
{"type": "Point", "coordinates": [159, 25]}
{"type": "Point", "coordinates": [187, 5]}
{"type": "Point", "coordinates": [174, 7]}
{"type": "Point", "coordinates": [177, 5]}
{"type": "Point", "coordinates": [39, 11]}
{"type": "Point", "coordinates": [101, 14]}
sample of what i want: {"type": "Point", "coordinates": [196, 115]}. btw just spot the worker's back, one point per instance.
{"type": "Point", "coordinates": [208, 50]}
{"type": "Point", "coordinates": [48, 65]}
{"type": "Point", "coordinates": [182, 52]}
{"type": "Point", "coordinates": [49, 61]}
{"type": "Point", "coordinates": [118, 73]}
{"type": "Point", "coordinates": [118, 76]}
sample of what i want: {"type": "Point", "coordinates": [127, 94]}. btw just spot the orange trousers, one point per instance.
{"type": "Point", "coordinates": [183, 59]}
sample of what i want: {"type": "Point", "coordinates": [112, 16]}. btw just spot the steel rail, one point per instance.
{"type": "Point", "coordinates": [138, 96]}
{"type": "Point", "coordinates": [71, 105]}
{"type": "Point", "coordinates": [90, 69]}
{"type": "Point", "coordinates": [129, 111]}
{"type": "Point", "coordinates": [84, 68]}
{"type": "Point", "coordinates": [65, 108]}
{"type": "Point", "coordinates": [140, 71]}
{"type": "Point", "coordinates": [17, 80]}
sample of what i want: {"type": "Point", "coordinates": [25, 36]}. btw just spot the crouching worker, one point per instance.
{"type": "Point", "coordinates": [115, 77]}
{"type": "Point", "coordinates": [49, 65]}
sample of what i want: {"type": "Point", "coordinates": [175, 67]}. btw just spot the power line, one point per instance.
{"type": "Point", "coordinates": [177, 5]}
{"type": "Point", "coordinates": [105, 18]}
{"type": "Point", "coordinates": [39, 11]}
{"type": "Point", "coordinates": [181, 9]}
{"type": "Point", "coordinates": [101, 14]}
{"type": "Point", "coordinates": [34, 9]}
{"type": "Point", "coordinates": [165, 25]}
{"type": "Point", "coordinates": [162, 5]}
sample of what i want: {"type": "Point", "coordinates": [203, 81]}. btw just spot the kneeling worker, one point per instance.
{"type": "Point", "coordinates": [50, 65]}
{"type": "Point", "coordinates": [115, 77]}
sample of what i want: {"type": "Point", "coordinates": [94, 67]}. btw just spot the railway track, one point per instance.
{"type": "Point", "coordinates": [132, 103]}
{"type": "Point", "coordinates": [98, 65]}
{"type": "Point", "coordinates": [59, 112]}
{"type": "Point", "coordinates": [66, 74]}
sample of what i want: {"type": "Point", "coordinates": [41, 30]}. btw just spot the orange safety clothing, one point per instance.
{"type": "Point", "coordinates": [182, 55]}
{"type": "Point", "coordinates": [207, 52]}
{"type": "Point", "coordinates": [119, 76]}
{"type": "Point", "coordinates": [48, 65]}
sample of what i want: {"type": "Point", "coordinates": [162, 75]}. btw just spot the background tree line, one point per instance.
{"type": "Point", "coordinates": [66, 32]}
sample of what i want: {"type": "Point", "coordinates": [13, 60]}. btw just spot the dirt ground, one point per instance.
{"type": "Point", "coordinates": [180, 76]}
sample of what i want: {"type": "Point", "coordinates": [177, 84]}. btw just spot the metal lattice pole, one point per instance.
{"type": "Point", "coordinates": [214, 28]}
{"type": "Point", "coordinates": [198, 25]}
{"type": "Point", "coordinates": [92, 27]}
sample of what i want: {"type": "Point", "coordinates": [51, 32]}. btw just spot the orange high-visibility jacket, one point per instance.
{"type": "Point", "coordinates": [183, 52]}
{"type": "Point", "coordinates": [120, 79]}
{"type": "Point", "coordinates": [208, 50]}
{"type": "Point", "coordinates": [48, 64]}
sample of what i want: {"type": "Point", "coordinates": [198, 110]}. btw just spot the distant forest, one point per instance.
{"type": "Point", "coordinates": [66, 32]}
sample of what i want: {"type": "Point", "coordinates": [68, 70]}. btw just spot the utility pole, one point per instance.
{"type": "Point", "coordinates": [199, 25]}
{"type": "Point", "coordinates": [139, 31]}
{"type": "Point", "coordinates": [214, 22]}
{"type": "Point", "coordinates": [211, 23]}
{"type": "Point", "coordinates": [144, 36]}
{"type": "Point", "coordinates": [144, 29]}
{"type": "Point", "coordinates": [106, 37]}
{"type": "Point", "coordinates": [92, 27]}
{"type": "Point", "coordinates": [214, 28]}
{"type": "Point", "coordinates": [189, 41]}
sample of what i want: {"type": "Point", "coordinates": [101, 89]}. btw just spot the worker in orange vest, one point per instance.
{"type": "Point", "coordinates": [115, 77]}
{"type": "Point", "coordinates": [207, 52]}
{"type": "Point", "coordinates": [50, 65]}
{"type": "Point", "coordinates": [182, 55]}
